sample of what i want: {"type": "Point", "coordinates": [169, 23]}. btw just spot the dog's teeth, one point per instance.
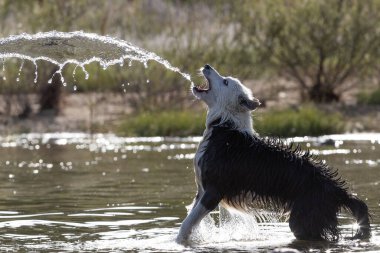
{"type": "Point", "coordinates": [203, 86]}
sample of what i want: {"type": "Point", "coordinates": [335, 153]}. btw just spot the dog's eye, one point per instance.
{"type": "Point", "coordinates": [225, 82]}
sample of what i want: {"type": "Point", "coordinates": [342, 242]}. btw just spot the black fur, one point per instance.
{"type": "Point", "coordinates": [242, 167]}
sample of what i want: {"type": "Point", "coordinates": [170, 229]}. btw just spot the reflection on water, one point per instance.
{"type": "Point", "coordinates": [76, 192]}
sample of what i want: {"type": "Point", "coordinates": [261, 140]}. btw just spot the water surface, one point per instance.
{"type": "Point", "coordinates": [75, 192]}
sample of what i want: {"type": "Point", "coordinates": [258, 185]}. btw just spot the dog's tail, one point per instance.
{"type": "Point", "coordinates": [360, 212]}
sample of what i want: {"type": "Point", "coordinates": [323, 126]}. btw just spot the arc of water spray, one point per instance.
{"type": "Point", "coordinates": [78, 48]}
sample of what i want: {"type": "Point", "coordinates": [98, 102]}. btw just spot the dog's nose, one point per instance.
{"type": "Point", "coordinates": [207, 66]}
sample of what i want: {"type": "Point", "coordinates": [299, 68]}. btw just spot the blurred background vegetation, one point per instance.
{"type": "Point", "coordinates": [303, 59]}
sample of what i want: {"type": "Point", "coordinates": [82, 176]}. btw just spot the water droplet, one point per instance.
{"type": "Point", "coordinates": [62, 79]}
{"type": "Point", "coordinates": [145, 64]}
{"type": "Point", "coordinates": [75, 88]}
{"type": "Point", "coordinates": [130, 63]}
{"type": "Point", "coordinates": [51, 79]}
{"type": "Point", "coordinates": [87, 75]}
{"type": "Point", "coordinates": [21, 65]}
{"type": "Point", "coordinates": [147, 81]}
{"type": "Point", "coordinates": [19, 71]}
{"type": "Point", "coordinates": [4, 78]}
{"type": "Point", "coordinates": [74, 72]}
{"type": "Point", "coordinates": [35, 72]}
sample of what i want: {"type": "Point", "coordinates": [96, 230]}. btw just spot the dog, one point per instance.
{"type": "Point", "coordinates": [236, 168]}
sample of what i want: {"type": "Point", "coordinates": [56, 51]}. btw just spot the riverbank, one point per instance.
{"type": "Point", "coordinates": [107, 112]}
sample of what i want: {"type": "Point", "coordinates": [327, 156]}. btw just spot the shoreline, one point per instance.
{"type": "Point", "coordinates": [103, 112]}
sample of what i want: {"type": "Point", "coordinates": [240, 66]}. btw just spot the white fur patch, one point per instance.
{"type": "Point", "coordinates": [224, 100]}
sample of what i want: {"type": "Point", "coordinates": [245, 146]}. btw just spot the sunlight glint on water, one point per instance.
{"type": "Point", "coordinates": [78, 48]}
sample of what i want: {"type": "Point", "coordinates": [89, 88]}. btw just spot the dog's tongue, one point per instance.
{"type": "Point", "coordinates": [203, 86]}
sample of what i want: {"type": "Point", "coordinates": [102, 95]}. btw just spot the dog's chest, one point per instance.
{"type": "Point", "coordinates": [198, 156]}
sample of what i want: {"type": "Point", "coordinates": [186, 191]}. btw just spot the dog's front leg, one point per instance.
{"type": "Point", "coordinates": [199, 194]}
{"type": "Point", "coordinates": [208, 202]}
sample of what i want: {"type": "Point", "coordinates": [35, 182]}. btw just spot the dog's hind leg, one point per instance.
{"type": "Point", "coordinates": [314, 219]}
{"type": "Point", "coordinates": [208, 202]}
{"type": "Point", "coordinates": [301, 225]}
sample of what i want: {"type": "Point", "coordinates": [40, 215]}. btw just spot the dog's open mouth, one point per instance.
{"type": "Point", "coordinates": [204, 87]}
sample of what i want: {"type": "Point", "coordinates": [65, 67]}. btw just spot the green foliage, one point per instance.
{"type": "Point", "coordinates": [306, 121]}
{"type": "Point", "coordinates": [167, 123]}
{"type": "Point", "coordinates": [369, 98]}
{"type": "Point", "coordinates": [321, 45]}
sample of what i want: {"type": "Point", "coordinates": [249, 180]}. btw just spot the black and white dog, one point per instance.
{"type": "Point", "coordinates": [236, 168]}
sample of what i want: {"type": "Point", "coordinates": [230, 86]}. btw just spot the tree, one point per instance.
{"type": "Point", "coordinates": [324, 46]}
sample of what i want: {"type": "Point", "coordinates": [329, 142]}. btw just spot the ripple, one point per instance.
{"type": "Point", "coordinates": [125, 208]}
{"type": "Point", "coordinates": [11, 216]}
{"type": "Point", "coordinates": [118, 223]}
{"type": "Point", "coordinates": [107, 214]}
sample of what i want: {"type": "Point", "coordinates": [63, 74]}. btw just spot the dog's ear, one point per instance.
{"type": "Point", "coordinates": [250, 104]}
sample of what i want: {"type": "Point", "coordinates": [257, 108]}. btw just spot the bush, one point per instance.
{"type": "Point", "coordinates": [167, 123]}
{"type": "Point", "coordinates": [321, 45]}
{"type": "Point", "coordinates": [306, 121]}
{"type": "Point", "coordinates": [367, 98]}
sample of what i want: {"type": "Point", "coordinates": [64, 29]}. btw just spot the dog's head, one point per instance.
{"type": "Point", "coordinates": [225, 93]}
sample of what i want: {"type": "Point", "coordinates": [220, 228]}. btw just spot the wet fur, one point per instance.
{"type": "Point", "coordinates": [240, 166]}
{"type": "Point", "coordinates": [237, 168]}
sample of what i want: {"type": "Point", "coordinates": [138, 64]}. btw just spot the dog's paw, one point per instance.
{"type": "Point", "coordinates": [179, 239]}
{"type": "Point", "coordinates": [363, 233]}
{"type": "Point", "coordinates": [182, 240]}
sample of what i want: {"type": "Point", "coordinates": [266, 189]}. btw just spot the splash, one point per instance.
{"type": "Point", "coordinates": [80, 48]}
{"type": "Point", "coordinates": [231, 225]}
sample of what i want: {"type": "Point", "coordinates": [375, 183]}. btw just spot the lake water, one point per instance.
{"type": "Point", "coordinates": [74, 192]}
